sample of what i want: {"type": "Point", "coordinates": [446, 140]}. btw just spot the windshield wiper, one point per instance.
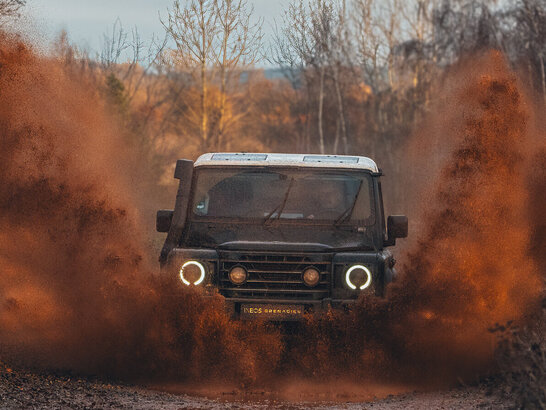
{"type": "Point", "coordinates": [346, 215]}
{"type": "Point", "coordinates": [281, 206]}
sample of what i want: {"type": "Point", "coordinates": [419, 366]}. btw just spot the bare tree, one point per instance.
{"type": "Point", "coordinates": [321, 17]}
{"type": "Point", "coordinates": [418, 39]}
{"type": "Point", "coordinates": [305, 45]}
{"type": "Point", "coordinates": [240, 42]}
{"type": "Point", "coordinates": [367, 43]}
{"type": "Point", "coordinates": [381, 26]}
{"type": "Point", "coordinates": [194, 30]}
{"type": "Point", "coordinates": [10, 7]}
{"type": "Point", "coordinates": [114, 45]}
{"type": "Point", "coordinates": [340, 52]}
{"type": "Point", "coordinates": [130, 57]}
{"type": "Point", "coordinates": [464, 26]}
{"type": "Point", "coordinates": [291, 51]}
{"type": "Point", "coordinates": [530, 18]}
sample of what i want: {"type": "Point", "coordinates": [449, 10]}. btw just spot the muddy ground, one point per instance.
{"type": "Point", "coordinates": [21, 389]}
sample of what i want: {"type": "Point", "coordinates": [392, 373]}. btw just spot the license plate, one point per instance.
{"type": "Point", "coordinates": [271, 312]}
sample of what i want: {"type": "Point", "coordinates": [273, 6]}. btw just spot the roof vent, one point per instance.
{"type": "Point", "coordinates": [239, 157]}
{"type": "Point", "coordinates": [331, 158]}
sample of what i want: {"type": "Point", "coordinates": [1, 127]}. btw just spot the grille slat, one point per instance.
{"type": "Point", "coordinates": [270, 290]}
{"type": "Point", "coordinates": [278, 271]}
{"type": "Point", "coordinates": [280, 282]}
{"type": "Point", "coordinates": [275, 262]}
{"type": "Point", "coordinates": [272, 276]}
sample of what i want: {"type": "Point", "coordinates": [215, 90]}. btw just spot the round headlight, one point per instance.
{"type": "Point", "coordinates": [358, 276]}
{"type": "Point", "coordinates": [311, 277]}
{"type": "Point", "coordinates": [237, 275]}
{"type": "Point", "coordinates": [192, 272]}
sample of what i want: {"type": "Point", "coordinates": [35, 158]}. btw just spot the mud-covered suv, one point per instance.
{"type": "Point", "coordinates": [278, 235]}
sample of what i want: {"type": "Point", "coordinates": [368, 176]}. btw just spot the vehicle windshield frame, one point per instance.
{"type": "Point", "coordinates": [363, 173]}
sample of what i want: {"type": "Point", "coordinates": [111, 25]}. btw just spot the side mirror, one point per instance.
{"type": "Point", "coordinates": [163, 220]}
{"type": "Point", "coordinates": [397, 227]}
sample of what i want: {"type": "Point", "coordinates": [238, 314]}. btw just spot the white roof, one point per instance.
{"type": "Point", "coordinates": [300, 160]}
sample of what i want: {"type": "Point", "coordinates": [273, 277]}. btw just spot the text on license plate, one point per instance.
{"type": "Point", "coordinates": [285, 312]}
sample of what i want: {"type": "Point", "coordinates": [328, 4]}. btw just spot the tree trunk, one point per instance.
{"type": "Point", "coordinates": [307, 129]}
{"type": "Point", "coordinates": [221, 119]}
{"type": "Point", "coordinates": [530, 69]}
{"type": "Point", "coordinates": [223, 80]}
{"type": "Point", "coordinates": [308, 110]}
{"type": "Point", "coordinates": [204, 106]}
{"type": "Point", "coordinates": [204, 85]}
{"type": "Point", "coordinates": [320, 109]}
{"type": "Point", "coordinates": [336, 140]}
{"type": "Point", "coordinates": [543, 77]}
{"type": "Point", "coordinates": [390, 71]}
{"type": "Point", "coordinates": [341, 112]}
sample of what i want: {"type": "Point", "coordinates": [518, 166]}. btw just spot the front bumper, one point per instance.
{"type": "Point", "coordinates": [275, 278]}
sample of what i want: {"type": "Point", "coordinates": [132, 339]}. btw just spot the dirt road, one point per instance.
{"type": "Point", "coordinates": [27, 390]}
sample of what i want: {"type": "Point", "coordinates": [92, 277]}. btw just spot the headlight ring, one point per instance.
{"type": "Point", "coordinates": [189, 264]}
{"type": "Point", "coordinates": [351, 270]}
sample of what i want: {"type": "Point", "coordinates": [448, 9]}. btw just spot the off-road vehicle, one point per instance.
{"type": "Point", "coordinates": [278, 235]}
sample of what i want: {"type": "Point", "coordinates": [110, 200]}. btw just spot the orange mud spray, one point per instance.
{"type": "Point", "coordinates": [77, 291]}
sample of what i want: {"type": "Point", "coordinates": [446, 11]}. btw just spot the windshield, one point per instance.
{"type": "Point", "coordinates": [269, 195]}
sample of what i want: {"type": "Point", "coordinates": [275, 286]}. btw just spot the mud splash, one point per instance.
{"type": "Point", "coordinates": [68, 258]}
{"type": "Point", "coordinates": [472, 267]}
{"type": "Point", "coordinates": [78, 291]}
{"type": "Point", "coordinates": [77, 286]}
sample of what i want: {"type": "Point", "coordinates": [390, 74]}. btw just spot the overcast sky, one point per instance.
{"type": "Point", "coordinates": [87, 20]}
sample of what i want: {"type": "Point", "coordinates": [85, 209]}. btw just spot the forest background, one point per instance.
{"type": "Point", "coordinates": [350, 77]}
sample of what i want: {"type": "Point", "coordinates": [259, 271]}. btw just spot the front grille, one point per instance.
{"type": "Point", "coordinates": [275, 276]}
